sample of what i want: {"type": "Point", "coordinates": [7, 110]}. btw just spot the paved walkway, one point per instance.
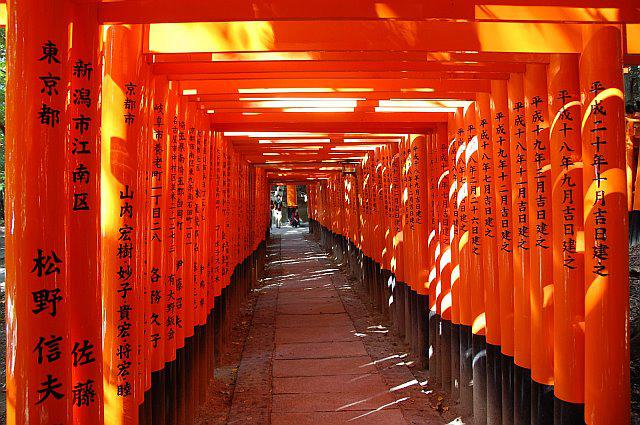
{"type": "Point", "coordinates": [305, 361]}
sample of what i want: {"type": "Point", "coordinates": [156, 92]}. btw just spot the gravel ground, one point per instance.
{"type": "Point", "coordinates": [221, 391]}
{"type": "Point", "coordinates": [421, 403]}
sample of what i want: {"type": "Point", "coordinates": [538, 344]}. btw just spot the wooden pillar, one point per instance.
{"type": "Point", "coordinates": [122, 286]}
{"type": "Point", "coordinates": [443, 176]}
{"type": "Point", "coordinates": [521, 247]}
{"type": "Point", "coordinates": [39, 360]}
{"type": "Point", "coordinates": [478, 326]}
{"type": "Point", "coordinates": [83, 165]}
{"type": "Point", "coordinates": [540, 241]}
{"type": "Point", "coordinates": [607, 392]}
{"type": "Point", "coordinates": [505, 237]}
{"type": "Point", "coordinates": [568, 266]}
{"type": "Point", "coordinates": [489, 258]}
{"type": "Point", "coordinates": [464, 250]}
{"type": "Point", "coordinates": [454, 144]}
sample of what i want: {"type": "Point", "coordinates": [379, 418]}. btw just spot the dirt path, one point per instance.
{"type": "Point", "coordinates": [315, 355]}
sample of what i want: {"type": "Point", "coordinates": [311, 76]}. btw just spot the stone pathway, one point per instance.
{"type": "Point", "coordinates": [305, 361]}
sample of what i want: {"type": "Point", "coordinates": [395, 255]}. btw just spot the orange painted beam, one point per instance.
{"type": "Point", "coordinates": [396, 35]}
{"type": "Point", "coordinates": [349, 56]}
{"type": "Point", "coordinates": [302, 119]}
{"type": "Point", "coordinates": [250, 67]}
{"type": "Point", "coordinates": [151, 11]}
{"type": "Point", "coordinates": [237, 123]}
{"type": "Point", "coordinates": [148, 11]}
{"type": "Point", "coordinates": [559, 11]}
{"type": "Point", "coordinates": [210, 99]}
{"type": "Point", "coordinates": [339, 75]}
{"type": "Point", "coordinates": [253, 87]}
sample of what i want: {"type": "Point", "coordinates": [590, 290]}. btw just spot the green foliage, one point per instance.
{"type": "Point", "coordinates": [632, 89]}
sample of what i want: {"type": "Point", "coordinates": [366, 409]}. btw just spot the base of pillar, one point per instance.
{"type": "Point", "coordinates": [507, 369]}
{"type": "Point", "coordinates": [445, 350]}
{"type": "Point", "coordinates": [435, 370]}
{"type": "Point", "coordinates": [466, 370]}
{"type": "Point", "coordinates": [494, 385]}
{"type": "Point", "coordinates": [522, 396]}
{"type": "Point", "coordinates": [455, 361]}
{"type": "Point", "coordinates": [479, 379]}
{"type": "Point", "coordinates": [566, 413]}
{"type": "Point", "coordinates": [541, 403]}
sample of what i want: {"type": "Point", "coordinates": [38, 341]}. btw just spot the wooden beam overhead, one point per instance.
{"type": "Point", "coordinates": [395, 35]}
{"type": "Point", "coordinates": [151, 11]}
{"type": "Point", "coordinates": [247, 69]}
{"type": "Point", "coordinates": [252, 88]}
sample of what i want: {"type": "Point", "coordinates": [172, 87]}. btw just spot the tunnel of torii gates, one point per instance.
{"type": "Point", "coordinates": [466, 159]}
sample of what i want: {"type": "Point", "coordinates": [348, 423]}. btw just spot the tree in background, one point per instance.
{"type": "Point", "coordinates": [632, 89]}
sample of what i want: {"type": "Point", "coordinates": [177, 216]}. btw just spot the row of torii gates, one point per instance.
{"type": "Point", "coordinates": [466, 158]}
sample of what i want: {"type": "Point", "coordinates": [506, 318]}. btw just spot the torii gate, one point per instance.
{"type": "Point", "coordinates": [130, 122]}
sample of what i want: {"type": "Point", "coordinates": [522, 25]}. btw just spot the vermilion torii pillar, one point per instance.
{"type": "Point", "coordinates": [521, 246]}
{"type": "Point", "coordinates": [540, 240]}
{"type": "Point", "coordinates": [490, 276]}
{"type": "Point", "coordinates": [567, 213]}
{"type": "Point", "coordinates": [122, 226]}
{"type": "Point", "coordinates": [504, 236]}
{"type": "Point", "coordinates": [84, 208]}
{"type": "Point", "coordinates": [39, 360]}
{"type": "Point", "coordinates": [607, 390]}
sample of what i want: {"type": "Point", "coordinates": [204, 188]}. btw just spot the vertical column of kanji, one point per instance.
{"type": "Point", "coordinates": [386, 231]}
{"type": "Point", "coordinates": [165, 124]}
{"type": "Point", "coordinates": [366, 208]}
{"type": "Point", "coordinates": [464, 248]}
{"type": "Point", "coordinates": [122, 285]}
{"type": "Point", "coordinates": [180, 152]}
{"type": "Point", "coordinates": [443, 176]}
{"type": "Point", "coordinates": [489, 258]}
{"type": "Point", "coordinates": [408, 233]}
{"type": "Point", "coordinates": [452, 196]}
{"type": "Point", "coordinates": [521, 247]}
{"type": "Point", "coordinates": [420, 181]}
{"type": "Point", "coordinates": [39, 377]}
{"type": "Point", "coordinates": [476, 284]}
{"type": "Point", "coordinates": [83, 165]}
{"type": "Point", "coordinates": [392, 150]}
{"type": "Point", "coordinates": [357, 210]}
{"type": "Point", "coordinates": [194, 182]}
{"type": "Point", "coordinates": [419, 161]}
{"type": "Point", "coordinates": [140, 109]}
{"type": "Point", "coordinates": [189, 194]}
{"type": "Point", "coordinates": [209, 240]}
{"type": "Point", "coordinates": [190, 295]}
{"type": "Point", "coordinates": [200, 229]}
{"type": "Point", "coordinates": [541, 279]}
{"type": "Point", "coordinates": [568, 264]}
{"type": "Point", "coordinates": [217, 195]}
{"type": "Point", "coordinates": [376, 227]}
{"type": "Point", "coordinates": [200, 223]}
{"type": "Point", "coordinates": [433, 249]}
{"type": "Point", "coordinates": [227, 268]}
{"type": "Point", "coordinates": [216, 204]}
{"type": "Point", "coordinates": [156, 267]}
{"type": "Point", "coordinates": [504, 235]}
{"type": "Point", "coordinates": [605, 229]}
{"type": "Point", "coordinates": [383, 217]}
{"type": "Point", "coordinates": [397, 261]}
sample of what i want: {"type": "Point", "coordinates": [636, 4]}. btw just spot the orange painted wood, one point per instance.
{"type": "Point", "coordinates": [568, 264]}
